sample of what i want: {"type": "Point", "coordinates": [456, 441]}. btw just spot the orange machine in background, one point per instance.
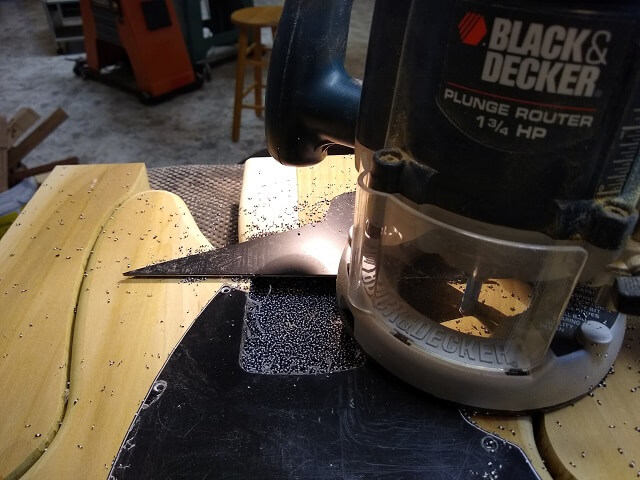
{"type": "Point", "coordinates": [144, 35]}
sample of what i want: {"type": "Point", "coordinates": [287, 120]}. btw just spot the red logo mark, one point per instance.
{"type": "Point", "coordinates": [472, 28]}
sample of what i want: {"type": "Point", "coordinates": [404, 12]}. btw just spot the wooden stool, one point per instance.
{"type": "Point", "coordinates": [251, 19]}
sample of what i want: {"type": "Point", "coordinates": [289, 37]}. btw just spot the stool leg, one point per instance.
{"type": "Point", "coordinates": [257, 70]}
{"type": "Point", "coordinates": [240, 66]}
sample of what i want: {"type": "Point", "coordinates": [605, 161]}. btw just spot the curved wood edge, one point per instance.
{"type": "Point", "coordinates": [42, 260]}
{"type": "Point", "coordinates": [519, 431]}
{"type": "Point", "coordinates": [599, 436]}
{"type": "Point", "coordinates": [125, 330]}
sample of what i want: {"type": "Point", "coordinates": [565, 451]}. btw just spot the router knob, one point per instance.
{"type": "Point", "coordinates": [594, 336]}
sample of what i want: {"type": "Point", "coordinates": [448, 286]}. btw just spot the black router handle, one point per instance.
{"type": "Point", "coordinates": [311, 101]}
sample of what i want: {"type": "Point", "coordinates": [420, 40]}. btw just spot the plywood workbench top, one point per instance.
{"type": "Point", "coordinates": [80, 344]}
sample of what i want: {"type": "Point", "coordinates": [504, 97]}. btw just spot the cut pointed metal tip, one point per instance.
{"type": "Point", "coordinates": [309, 251]}
{"type": "Point", "coordinates": [149, 271]}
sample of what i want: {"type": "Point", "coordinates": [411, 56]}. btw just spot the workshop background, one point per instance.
{"type": "Point", "coordinates": [107, 125]}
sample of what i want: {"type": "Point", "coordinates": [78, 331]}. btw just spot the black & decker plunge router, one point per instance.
{"type": "Point", "coordinates": [491, 260]}
{"type": "Point", "coordinates": [491, 252]}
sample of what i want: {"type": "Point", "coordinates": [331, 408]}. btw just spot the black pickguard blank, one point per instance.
{"type": "Point", "coordinates": [206, 417]}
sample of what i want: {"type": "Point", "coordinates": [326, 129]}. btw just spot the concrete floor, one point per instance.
{"type": "Point", "coordinates": [106, 125]}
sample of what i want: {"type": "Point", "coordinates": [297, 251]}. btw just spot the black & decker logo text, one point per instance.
{"type": "Point", "coordinates": [551, 59]}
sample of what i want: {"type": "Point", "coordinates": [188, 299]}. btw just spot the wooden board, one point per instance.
{"type": "Point", "coordinates": [599, 436]}
{"type": "Point", "coordinates": [42, 260]}
{"type": "Point", "coordinates": [276, 198]}
{"type": "Point", "coordinates": [36, 136]}
{"type": "Point", "coordinates": [22, 121]}
{"type": "Point", "coordinates": [268, 198]}
{"type": "Point", "coordinates": [125, 330]}
{"type": "Point", "coordinates": [129, 323]}
{"type": "Point", "coordinates": [318, 184]}
{"type": "Point", "coordinates": [519, 431]}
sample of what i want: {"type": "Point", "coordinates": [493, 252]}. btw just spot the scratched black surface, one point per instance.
{"type": "Point", "coordinates": [206, 417]}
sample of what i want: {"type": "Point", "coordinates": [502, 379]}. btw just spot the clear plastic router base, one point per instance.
{"type": "Point", "coordinates": [469, 312]}
{"type": "Point", "coordinates": [555, 381]}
